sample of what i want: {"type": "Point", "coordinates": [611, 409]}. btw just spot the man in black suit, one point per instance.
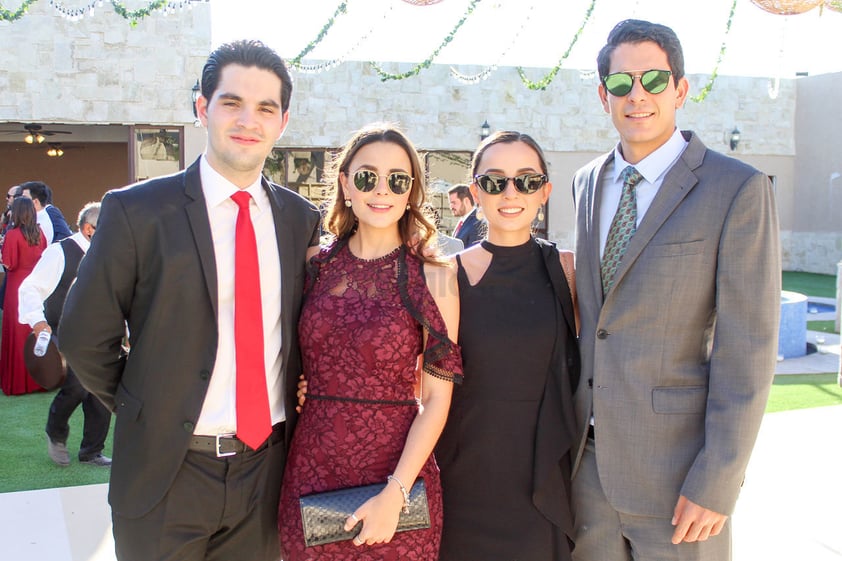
{"type": "Point", "coordinates": [470, 228]}
{"type": "Point", "coordinates": [188, 482]}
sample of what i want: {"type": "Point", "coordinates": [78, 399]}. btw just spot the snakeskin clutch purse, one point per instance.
{"type": "Point", "coordinates": [323, 515]}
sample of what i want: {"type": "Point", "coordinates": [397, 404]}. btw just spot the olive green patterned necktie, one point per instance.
{"type": "Point", "coordinates": [622, 229]}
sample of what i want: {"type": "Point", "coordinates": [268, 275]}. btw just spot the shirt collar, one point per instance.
{"type": "Point", "coordinates": [217, 189]}
{"type": "Point", "coordinates": [656, 164]}
{"type": "Point", "coordinates": [82, 241]}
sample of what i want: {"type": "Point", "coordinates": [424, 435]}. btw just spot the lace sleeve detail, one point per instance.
{"type": "Point", "coordinates": [315, 263]}
{"type": "Point", "coordinates": [442, 357]}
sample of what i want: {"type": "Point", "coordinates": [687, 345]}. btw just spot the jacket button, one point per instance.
{"type": "Point", "coordinates": [204, 375]}
{"type": "Point", "coordinates": [602, 334]}
{"type": "Point", "coordinates": [188, 426]}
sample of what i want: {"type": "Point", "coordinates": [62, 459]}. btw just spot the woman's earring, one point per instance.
{"type": "Point", "coordinates": [480, 214]}
{"type": "Point", "coordinates": [348, 203]}
{"type": "Point", "coordinates": [541, 213]}
{"type": "Point", "coordinates": [408, 206]}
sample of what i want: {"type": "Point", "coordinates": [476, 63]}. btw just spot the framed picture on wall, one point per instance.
{"type": "Point", "coordinates": [300, 169]}
{"type": "Point", "coordinates": [156, 151]}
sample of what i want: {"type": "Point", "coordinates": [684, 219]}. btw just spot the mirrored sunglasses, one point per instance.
{"type": "Point", "coordinates": [653, 81]}
{"type": "Point", "coordinates": [526, 183]}
{"type": "Point", "coordinates": [399, 182]}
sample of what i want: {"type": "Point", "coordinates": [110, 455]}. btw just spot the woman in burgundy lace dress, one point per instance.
{"type": "Point", "coordinates": [374, 303]}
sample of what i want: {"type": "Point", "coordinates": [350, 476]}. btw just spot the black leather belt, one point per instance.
{"type": "Point", "coordinates": [590, 432]}
{"type": "Point", "coordinates": [223, 445]}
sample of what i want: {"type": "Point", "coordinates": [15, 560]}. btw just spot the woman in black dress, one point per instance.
{"type": "Point", "coordinates": [505, 451]}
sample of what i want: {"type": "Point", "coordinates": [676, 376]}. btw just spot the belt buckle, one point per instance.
{"type": "Point", "coordinates": [219, 453]}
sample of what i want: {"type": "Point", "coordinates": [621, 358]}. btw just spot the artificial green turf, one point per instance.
{"type": "Point", "coordinates": [828, 326]}
{"type": "Point", "coordinates": [23, 447]}
{"type": "Point", "coordinates": [803, 391]}
{"type": "Point", "coordinates": [811, 284]}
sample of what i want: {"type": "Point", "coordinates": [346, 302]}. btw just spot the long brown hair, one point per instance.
{"type": "Point", "coordinates": [415, 229]}
{"type": "Point", "coordinates": [23, 217]}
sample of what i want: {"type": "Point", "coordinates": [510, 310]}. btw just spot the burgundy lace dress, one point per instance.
{"type": "Point", "coordinates": [361, 334]}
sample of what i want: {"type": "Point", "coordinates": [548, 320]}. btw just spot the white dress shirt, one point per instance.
{"type": "Point", "coordinates": [43, 220]}
{"type": "Point", "coordinates": [653, 168]}
{"type": "Point", "coordinates": [43, 280]}
{"type": "Point", "coordinates": [219, 412]}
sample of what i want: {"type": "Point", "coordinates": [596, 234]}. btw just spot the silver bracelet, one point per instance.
{"type": "Point", "coordinates": [404, 492]}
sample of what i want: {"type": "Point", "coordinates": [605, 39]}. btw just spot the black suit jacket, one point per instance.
{"type": "Point", "coordinates": [151, 265]}
{"type": "Point", "coordinates": [472, 230]}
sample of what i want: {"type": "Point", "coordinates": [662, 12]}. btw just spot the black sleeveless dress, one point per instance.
{"type": "Point", "coordinates": [509, 330]}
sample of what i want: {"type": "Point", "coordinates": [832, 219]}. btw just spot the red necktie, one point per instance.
{"type": "Point", "coordinates": [458, 226]}
{"type": "Point", "coordinates": [253, 420]}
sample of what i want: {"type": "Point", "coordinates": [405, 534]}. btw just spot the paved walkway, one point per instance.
{"type": "Point", "coordinates": [790, 507]}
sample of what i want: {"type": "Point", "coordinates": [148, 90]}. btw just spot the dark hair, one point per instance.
{"type": "Point", "coordinates": [462, 191]}
{"type": "Point", "coordinates": [39, 190]}
{"type": "Point", "coordinates": [248, 53]}
{"type": "Point", "coordinates": [507, 137]}
{"type": "Point", "coordinates": [415, 228]}
{"type": "Point", "coordinates": [23, 217]}
{"type": "Point", "coordinates": [639, 31]}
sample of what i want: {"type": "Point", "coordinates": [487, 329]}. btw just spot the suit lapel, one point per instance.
{"type": "Point", "coordinates": [593, 202]}
{"type": "Point", "coordinates": [286, 237]}
{"type": "Point", "coordinates": [197, 216]}
{"type": "Point", "coordinates": [677, 184]}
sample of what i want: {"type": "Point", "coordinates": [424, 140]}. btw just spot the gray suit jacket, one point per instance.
{"type": "Point", "coordinates": [152, 264]}
{"type": "Point", "coordinates": [677, 361]}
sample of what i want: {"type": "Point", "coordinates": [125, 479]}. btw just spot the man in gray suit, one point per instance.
{"type": "Point", "coordinates": [198, 457]}
{"type": "Point", "coordinates": [678, 273]}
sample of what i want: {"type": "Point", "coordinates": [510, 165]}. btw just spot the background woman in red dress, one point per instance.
{"type": "Point", "coordinates": [375, 301]}
{"type": "Point", "coordinates": [22, 248]}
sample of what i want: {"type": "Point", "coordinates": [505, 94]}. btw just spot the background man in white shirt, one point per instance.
{"type": "Point", "coordinates": [40, 301]}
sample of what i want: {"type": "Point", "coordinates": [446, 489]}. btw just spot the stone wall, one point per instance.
{"type": "Point", "coordinates": [100, 69]}
{"type": "Point", "coordinates": [812, 252]}
{"type": "Point", "coordinates": [442, 114]}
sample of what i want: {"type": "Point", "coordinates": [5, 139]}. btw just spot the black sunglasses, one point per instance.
{"type": "Point", "coordinates": [399, 182]}
{"type": "Point", "coordinates": [494, 184]}
{"type": "Point", "coordinates": [621, 83]}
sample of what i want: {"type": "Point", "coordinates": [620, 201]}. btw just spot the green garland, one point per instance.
{"type": "Point", "coordinates": [709, 86]}
{"type": "Point", "coordinates": [141, 13]}
{"type": "Point", "coordinates": [545, 81]}
{"type": "Point", "coordinates": [133, 16]}
{"type": "Point", "coordinates": [341, 9]}
{"type": "Point", "coordinates": [8, 15]}
{"type": "Point", "coordinates": [426, 64]}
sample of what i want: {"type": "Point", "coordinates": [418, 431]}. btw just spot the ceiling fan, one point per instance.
{"type": "Point", "coordinates": [56, 149]}
{"type": "Point", "coordinates": [35, 134]}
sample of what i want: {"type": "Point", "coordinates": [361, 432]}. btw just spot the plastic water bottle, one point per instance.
{"type": "Point", "coordinates": [41, 344]}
